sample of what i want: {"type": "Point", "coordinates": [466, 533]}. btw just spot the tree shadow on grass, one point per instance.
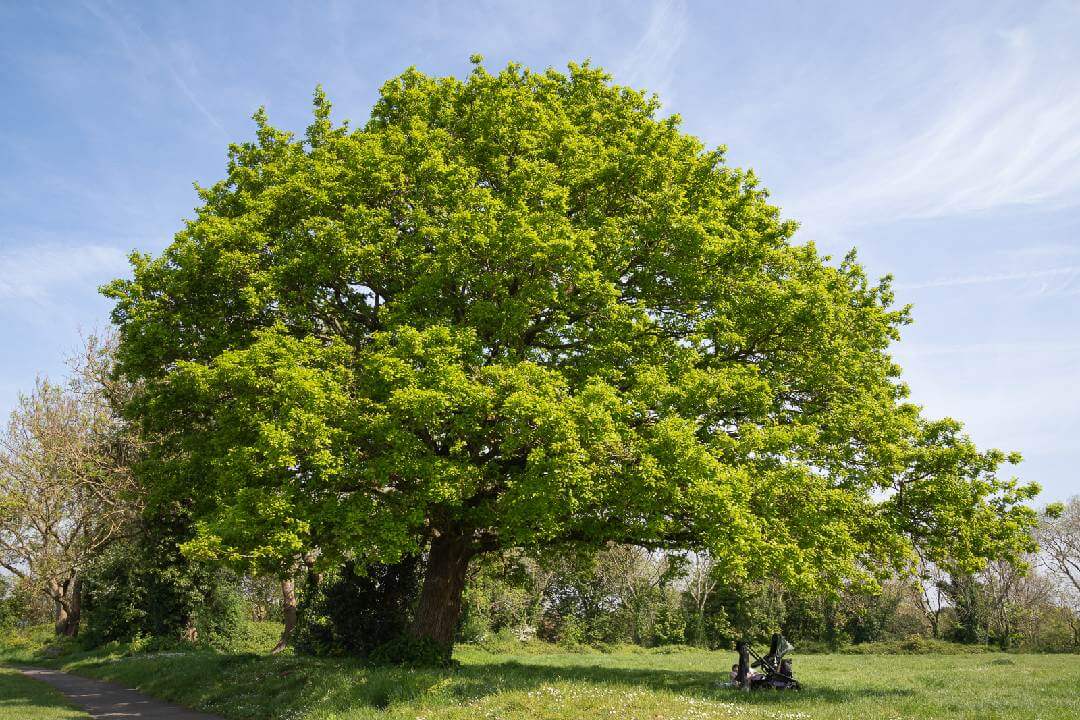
{"type": "Point", "coordinates": [690, 683]}
{"type": "Point", "coordinates": [382, 687]}
{"type": "Point", "coordinates": [278, 684]}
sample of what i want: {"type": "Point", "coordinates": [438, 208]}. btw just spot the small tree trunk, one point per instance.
{"type": "Point", "coordinates": [61, 615]}
{"type": "Point", "coordinates": [66, 605]}
{"type": "Point", "coordinates": [74, 607]}
{"type": "Point", "coordinates": [440, 597]}
{"type": "Point", "coordinates": [313, 577]}
{"type": "Point", "coordinates": [288, 611]}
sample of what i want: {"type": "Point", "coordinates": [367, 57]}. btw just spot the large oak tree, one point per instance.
{"type": "Point", "coordinates": [524, 308]}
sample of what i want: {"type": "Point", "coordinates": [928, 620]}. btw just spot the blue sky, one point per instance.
{"type": "Point", "coordinates": [940, 139]}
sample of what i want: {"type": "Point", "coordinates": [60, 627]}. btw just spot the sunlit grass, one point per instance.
{"type": "Point", "coordinates": [22, 698]}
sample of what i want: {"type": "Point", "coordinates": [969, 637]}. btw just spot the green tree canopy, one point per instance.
{"type": "Point", "coordinates": [524, 308]}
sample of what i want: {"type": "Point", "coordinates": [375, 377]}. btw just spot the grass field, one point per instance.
{"type": "Point", "coordinates": [627, 685]}
{"type": "Point", "coordinates": [24, 699]}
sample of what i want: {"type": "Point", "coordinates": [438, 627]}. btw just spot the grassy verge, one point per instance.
{"type": "Point", "coordinates": [627, 685]}
{"type": "Point", "coordinates": [22, 698]}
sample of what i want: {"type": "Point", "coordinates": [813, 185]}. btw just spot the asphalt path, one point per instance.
{"type": "Point", "coordinates": [109, 700]}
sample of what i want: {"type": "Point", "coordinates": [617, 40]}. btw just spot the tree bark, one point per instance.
{"type": "Point", "coordinates": [440, 597]}
{"type": "Point", "coordinates": [288, 612]}
{"type": "Point", "coordinates": [61, 615]}
{"type": "Point", "coordinates": [67, 605]}
{"type": "Point", "coordinates": [74, 606]}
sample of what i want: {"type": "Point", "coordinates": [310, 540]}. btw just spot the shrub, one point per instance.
{"type": "Point", "coordinates": [915, 645]}
{"type": "Point", "coordinates": [10, 606]}
{"type": "Point", "coordinates": [354, 612]}
{"type": "Point", "coordinates": [146, 587]}
{"type": "Point", "coordinates": [412, 651]}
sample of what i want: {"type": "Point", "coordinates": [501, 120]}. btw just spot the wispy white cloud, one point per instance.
{"type": "Point", "coordinates": [1069, 271]}
{"type": "Point", "coordinates": [141, 50]}
{"type": "Point", "coordinates": [1033, 350]}
{"type": "Point", "coordinates": [652, 61]}
{"type": "Point", "coordinates": [39, 273]}
{"type": "Point", "coordinates": [993, 122]}
{"type": "Point", "coordinates": [1041, 250]}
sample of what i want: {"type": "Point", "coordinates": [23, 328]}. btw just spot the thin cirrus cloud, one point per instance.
{"type": "Point", "coordinates": [143, 52]}
{"type": "Point", "coordinates": [994, 121]}
{"type": "Point", "coordinates": [1067, 273]}
{"type": "Point", "coordinates": [653, 60]}
{"type": "Point", "coordinates": [40, 274]}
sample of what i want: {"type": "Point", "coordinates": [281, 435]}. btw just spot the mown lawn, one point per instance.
{"type": "Point", "coordinates": [22, 698]}
{"type": "Point", "coordinates": [626, 686]}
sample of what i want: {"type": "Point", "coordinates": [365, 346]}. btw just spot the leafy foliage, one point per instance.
{"type": "Point", "coordinates": [522, 308]}
{"type": "Point", "coordinates": [11, 604]}
{"type": "Point", "coordinates": [146, 588]}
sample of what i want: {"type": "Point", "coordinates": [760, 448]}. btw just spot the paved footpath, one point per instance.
{"type": "Point", "coordinates": [108, 700]}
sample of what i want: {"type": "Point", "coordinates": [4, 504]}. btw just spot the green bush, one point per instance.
{"type": "Point", "coordinates": [10, 606]}
{"type": "Point", "coordinates": [356, 611]}
{"type": "Point", "coordinates": [250, 636]}
{"type": "Point", "coordinates": [412, 652]}
{"type": "Point", "coordinates": [815, 647]}
{"type": "Point", "coordinates": [146, 588]}
{"type": "Point", "coordinates": [915, 645]}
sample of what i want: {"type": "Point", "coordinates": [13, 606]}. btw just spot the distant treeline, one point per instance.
{"type": "Point", "coordinates": [595, 597]}
{"type": "Point", "coordinates": [623, 594]}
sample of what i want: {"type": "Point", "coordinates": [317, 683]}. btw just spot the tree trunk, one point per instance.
{"type": "Point", "coordinates": [440, 597]}
{"type": "Point", "coordinates": [74, 607]}
{"type": "Point", "coordinates": [288, 611]}
{"type": "Point", "coordinates": [314, 578]}
{"type": "Point", "coordinates": [67, 606]}
{"type": "Point", "coordinates": [61, 615]}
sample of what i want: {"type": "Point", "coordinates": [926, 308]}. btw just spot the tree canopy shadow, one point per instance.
{"type": "Point", "coordinates": [692, 683]}
{"type": "Point", "coordinates": [468, 683]}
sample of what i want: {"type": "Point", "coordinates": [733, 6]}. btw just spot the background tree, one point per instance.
{"type": "Point", "coordinates": [928, 589]}
{"type": "Point", "coordinates": [1059, 539]}
{"type": "Point", "coordinates": [504, 594]}
{"type": "Point", "coordinates": [701, 580]}
{"type": "Point", "coordinates": [263, 597]}
{"type": "Point", "coordinates": [65, 487]}
{"type": "Point", "coordinates": [640, 579]}
{"type": "Point", "coordinates": [582, 603]}
{"type": "Point", "coordinates": [524, 309]}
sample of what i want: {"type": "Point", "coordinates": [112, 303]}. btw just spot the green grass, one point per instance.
{"type": "Point", "coordinates": [627, 685]}
{"type": "Point", "coordinates": [22, 698]}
